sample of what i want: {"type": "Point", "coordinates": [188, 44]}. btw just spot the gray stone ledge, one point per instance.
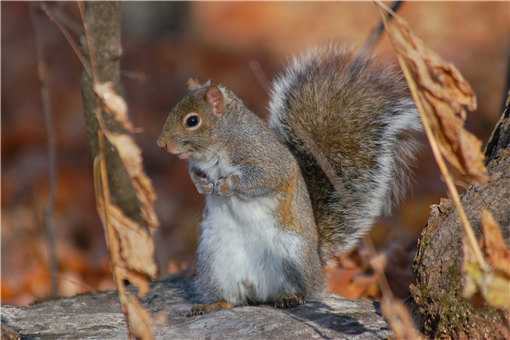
{"type": "Point", "coordinates": [98, 316]}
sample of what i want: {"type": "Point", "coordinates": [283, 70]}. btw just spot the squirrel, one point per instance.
{"type": "Point", "coordinates": [283, 196]}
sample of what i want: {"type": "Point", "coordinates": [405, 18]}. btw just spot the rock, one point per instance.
{"type": "Point", "coordinates": [98, 316]}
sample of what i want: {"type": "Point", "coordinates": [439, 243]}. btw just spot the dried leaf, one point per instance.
{"type": "Point", "coordinates": [140, 323]}
{"type": "Point", "coordinates": [494, 245]}
{"type": "Point", "coordinates": [131, 250]}
{"type": "Point", "coordinates": [136, 246]}
{"type": "Point", "coordinates": [347, 278]}
{"type": "Point", "coordinates": [493, 286]}
{"type": "Point", "coordinates": [379, 262]}
{"type": "Point", "coordinates": [137, 279]}
{"type": "Point", "coordinates": [444, 96]}
{"type": "Point", "coordinates": [399, 319]}
{"type": "Point", "coordinates": [114, 103]}
{"type": "Point", "coordinates": [131, 157]}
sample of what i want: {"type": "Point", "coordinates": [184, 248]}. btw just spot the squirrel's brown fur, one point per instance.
{"type": "Point", "coordinates": [356, 112]}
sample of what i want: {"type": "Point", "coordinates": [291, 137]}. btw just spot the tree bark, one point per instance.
{"type": "Point", "coordinates": [102, 20]}
{"type": "Point", "coordinates": [98, 316]}
{"type": "Point", "coordinates": [437, 293]}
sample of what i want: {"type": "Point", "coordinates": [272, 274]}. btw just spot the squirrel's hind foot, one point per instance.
{"type": "Point", "coordinates": [289, 301]}
{"type": "Point", "coordinates": [201, 309]}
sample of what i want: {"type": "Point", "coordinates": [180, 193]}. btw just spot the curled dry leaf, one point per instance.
{"type": "Point", "coordinates": [130, 242]}
{"type": "Point", "coordinates": [131, 157]}
{"type": "Point", "coordinates": [492, 284]}
{"type": "Point", "coordinates": [138, 280]}
{"type": "Point", "coordinates": [399, 319]}
{"type": "Point", "coordinates": [140, 322]}
{"type": "Point", "coordinates": [444, 96]}
{"type": "Point", "coordinates": [133, 242]}
{"type": "Point", "coordinates": [114, 103]}
{"type": "Point", "coordinates": [494, 245]}
{"type": "Point", "coordinates": [136, 245]}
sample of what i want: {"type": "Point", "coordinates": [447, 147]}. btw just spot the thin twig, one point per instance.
{"type": "Point", "coordinates": [42, 73]}
{"type": "Point", "coordinates": [90, 46]}
{"type": "Point", "coordinates": [67, 20]}
{"type": "Point", "coordinates": [383, 281]}
{"type": "Point", "coordinates": [399, 319]}
{"type": "Point", "coordinates": [377, 31]}
{"type": "Point", "coordinates": [436, 152]}
{"type": "Point", "coordinates": [260, 75]}
{"type": "Point", "coordinates": [68, 37]}
{"type": "Point", "coordinates": [498, 138]}
{"type": "Point", "coordinates": [506, 92]}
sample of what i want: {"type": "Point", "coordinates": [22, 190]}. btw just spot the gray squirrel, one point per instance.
{"type": "Point", "coordinates": [274, 215]}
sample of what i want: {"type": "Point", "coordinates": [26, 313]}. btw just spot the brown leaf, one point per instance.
{"type": "Point", "coordinates": [378, 262]}
{"type": "Point", "coordinates": [137, 279]}
{"type": "Point", "coordinates": [135, 243]}
{"type": "Point", "coordinates": [131, 157]}
{"type": "Point", "coordinates": [139, 319]}
{"type": "Point", "coordinates": [399, 319]}
{"type": "Point", "coordinates": [114, 103]}
{"type": "Point", "coordinates": [494, 245]}
{"type": "Point", "coordinates": [493, 286]}
{"type": "Point", "coordinates": [444, 96]}
{"type": "Point", "coordinates": [129, 152]}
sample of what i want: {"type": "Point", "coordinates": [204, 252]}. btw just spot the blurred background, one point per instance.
{"type": "Point", "coordinates": [241, 45]}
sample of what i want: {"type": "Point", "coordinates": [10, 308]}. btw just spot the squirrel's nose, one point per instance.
{"type": "Point", "coordinates": [170, 147]}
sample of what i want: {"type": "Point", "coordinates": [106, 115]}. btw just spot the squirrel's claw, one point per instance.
{"type": "Point", "coordinates": [201, 309]}
{"type": "Point", "coordinates": [289, 301]}
{"type": "Point", "coordinates": [225, 186]}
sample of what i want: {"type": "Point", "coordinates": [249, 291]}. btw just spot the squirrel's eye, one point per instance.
{"type": "Point", "coordinates": [192, 121]}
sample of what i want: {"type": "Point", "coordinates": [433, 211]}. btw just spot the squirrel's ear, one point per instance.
{"type": "Point", "coordinates": [215, 99]}
{"type": "Point", "coordinates": [193, 84]}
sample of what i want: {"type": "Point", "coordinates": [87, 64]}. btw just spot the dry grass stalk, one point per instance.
{"type": "Point", "coordinates": [138, 319]}
{"type": "Point", "coordinates": [442, 97]}
{"type": "Point", "coordinates": [42, 73]}
{"type": "Point", "coordinates": [67, 36]}
{"type": "Point", "coordinates": [395, 312]}
{"type": "Point", "coordinates": [399, 319]}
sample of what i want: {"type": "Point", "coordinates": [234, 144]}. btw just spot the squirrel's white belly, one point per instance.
{"type": "Point", "coordinates": [244, 252]}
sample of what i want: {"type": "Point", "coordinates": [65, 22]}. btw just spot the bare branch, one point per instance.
{"type": "Point", "coordinates": [42, 73]}
{"type": "Point", "coordinates": [377, 31]}
{"type": "Point", "coordinates": [260, 75]}
{"type": "Point", "coordinates": [68, 37]}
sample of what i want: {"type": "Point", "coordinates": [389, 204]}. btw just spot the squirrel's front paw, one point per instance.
{"type": "Point", "coordinates": [203, 185]}
{"type": "Point", "coordinates": [225, 186]}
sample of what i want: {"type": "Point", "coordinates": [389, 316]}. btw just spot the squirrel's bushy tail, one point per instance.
{"type": "Point", "coordinates": [350, 123]}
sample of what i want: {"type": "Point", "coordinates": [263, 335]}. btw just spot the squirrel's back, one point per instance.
{"type": "Point", "coordinates": [350, 123]}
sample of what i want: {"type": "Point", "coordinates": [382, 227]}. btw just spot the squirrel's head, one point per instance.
{"type": "Point", "coordinates": [189, 128]}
